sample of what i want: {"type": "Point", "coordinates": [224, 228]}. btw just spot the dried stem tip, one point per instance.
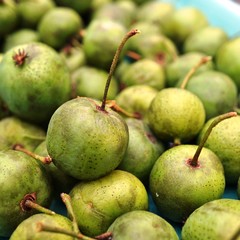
{"type": "Point", "coordinates": [19, 57]}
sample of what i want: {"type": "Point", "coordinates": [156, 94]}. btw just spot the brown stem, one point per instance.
{"type": "Point", "coordinates": [33, 205]}
{"type": "Point", "coordinates": [44, 160]}
{"type": "Point", "coordinates": [114, 64]}
{"type": "Point", "coordinates": [194, 69]}
{"type": "Point", "coordinates": [194, 161]}
{"type": "Point", "coordinates": [67, 201]}
{"type": "Point", "coordinates": [112, 104]}
{"type": "Point", "coordinates": [53, 229]}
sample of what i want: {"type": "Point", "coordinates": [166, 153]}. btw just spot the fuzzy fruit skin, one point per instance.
{"type": "Point", "coordinates": [20, 175]}
{"type": "Point", "coordinates": [85, 142]}
{"type": "Point", "coordinates": [176, 113]}
{"type": "Point", "coordinates": [224, 140]}
{"type": "Point", "coordinates": [215, 220]}
{"type": "Point", "coordinates": [28, 228]}
{"type": "Point", "coordinates": [178, 189]}
{"type": "Point", "coordinates": [98, 203]}
{"type": "Point", "coordinates": [43, 78]}
{"type": "Point", "coordinates": [142, 225]}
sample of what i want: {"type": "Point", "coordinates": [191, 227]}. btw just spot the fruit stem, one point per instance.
{"type": "Point", "coordinates": [194, 69]}
{"type": "Point", "coordinates": [47, 228]}
{"type": "Point", "coordinates": [194, 161]}
{"type": "Point", "coordinates": [112, 104]}
{"type": "Point", "coordinates": [44, 160]}
{"type": "Point", "coordinates": [67, 201]}
{"type": "Point", "coordinates": [32, 205]}
{"type": "Point", "coordinates": [114, 64]}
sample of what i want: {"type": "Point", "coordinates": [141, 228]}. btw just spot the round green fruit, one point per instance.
{"type": "Point", "coordinates": [34, 81]}
{"type": "Point", "coordinates": [85, 141]}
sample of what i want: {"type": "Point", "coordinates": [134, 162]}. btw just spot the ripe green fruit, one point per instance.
{"type": "Point", "coordinates": [16, 131]}
{"type": "Point", "coordinates": [144, 72]}
{"type": "Point", "coordinates": [42, 76]}
{"type": "Point", "coordinates": [58, 26]}
{"type": "Point", "coordinates": [100, 41]}
{"type": "Point", "coordinates": [224, 141]}
{"type": "Point", "coordinates": [142, 225]}
{"type": "Point", "coordinates": [206, 40]}
{"type": "Point", "coordinates": [217, 91]}
{"type": "Point", "coordinates": [122, 12]}
{"type": "Point", "coordinates": [215, 220]}
{"type": "Point", "coordinates": [143, 150]}
{"type": "Point", "coordinates": [8, 17]}
{"type": "Point", "coordinates": [224, 59]}
{"type": "Point", "coordinates": [176, 70]}
{"type": "Point", "coordinates": [62, 182]}
{"type": "Point", "coordinates": [85, 141]}
{"type": "Point", "coordinates": [98, 203]}
{"type": "Point", "coordinates": [19, 37]}
{"type": "Point", "coordinates": [159, 12]}
{"type": "Point", "coordinates": [31, 11]}
{"type": "Point", "coordinates": [74, 57]}
{"type": "Point", "coordinates": [176, 114]}
{"type": "Point", "coordinates": [28, 229]}
{"type": "Point", "coordinates": [184, 21]}
{"type": "Point", "coordinates": [22, 178]}
{"type": "Point", "coordinates": [178, 188]}
{"type": "Point", "coordinates": [136, 99]}
{"type": "Point", "coordinates": [90, 82]}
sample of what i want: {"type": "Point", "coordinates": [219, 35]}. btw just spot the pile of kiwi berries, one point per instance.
{"type": "Point", "coordinates": [119, 119]}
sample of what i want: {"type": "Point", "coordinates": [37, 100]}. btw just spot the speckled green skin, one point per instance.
{"type": "Point", "coordinates": [20, 175]}
{"type": "Point", "coordinates": [220, 95]}
{"type": "Point", "coordinates": [227, 59]}
{"type": "Point", "coordinates": [224, 140]}
{"type": "Point", "coordinates": [144, 71]}
{"type": "Point", "coordinates": [178, 189]}
{"type": "Point", "coordinates": [90, 82]}
{"type": "Point", "coordinates": [8, 17]}
{"type": "Point", "coordinates": [206, 40]}
{"type": "Point", "coordinates": [142, 225]}
{"type": "Point", "coordinates": [16, 131]}
{"type": "Point", "coordinates": [62, 183]}
{"type": "Point", "coordinates": [85, 142]}
{"type": "Point", "coordinates": [136, 98]}
{"type": "Point", "coordinates": [101, 39]}
{"type": "Point", "coordinates": [216, 220]}
{"type": "Point", "coordinates": [31, 11]}
{"type": "Point", "coordinates": [178, 69]}
{"type": "Point", "coordinates": [176, 113]}
{"type": "Point", "coordinates": [28, 228]}
{"type": "Point", "coordinates": [34, 90]}
{"type": "Point", "coordinates": [143, 150]}
{"type": "Point", "coordinates": [98, 203]}
{"type": "Point", "coordinates": [58, 26]}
